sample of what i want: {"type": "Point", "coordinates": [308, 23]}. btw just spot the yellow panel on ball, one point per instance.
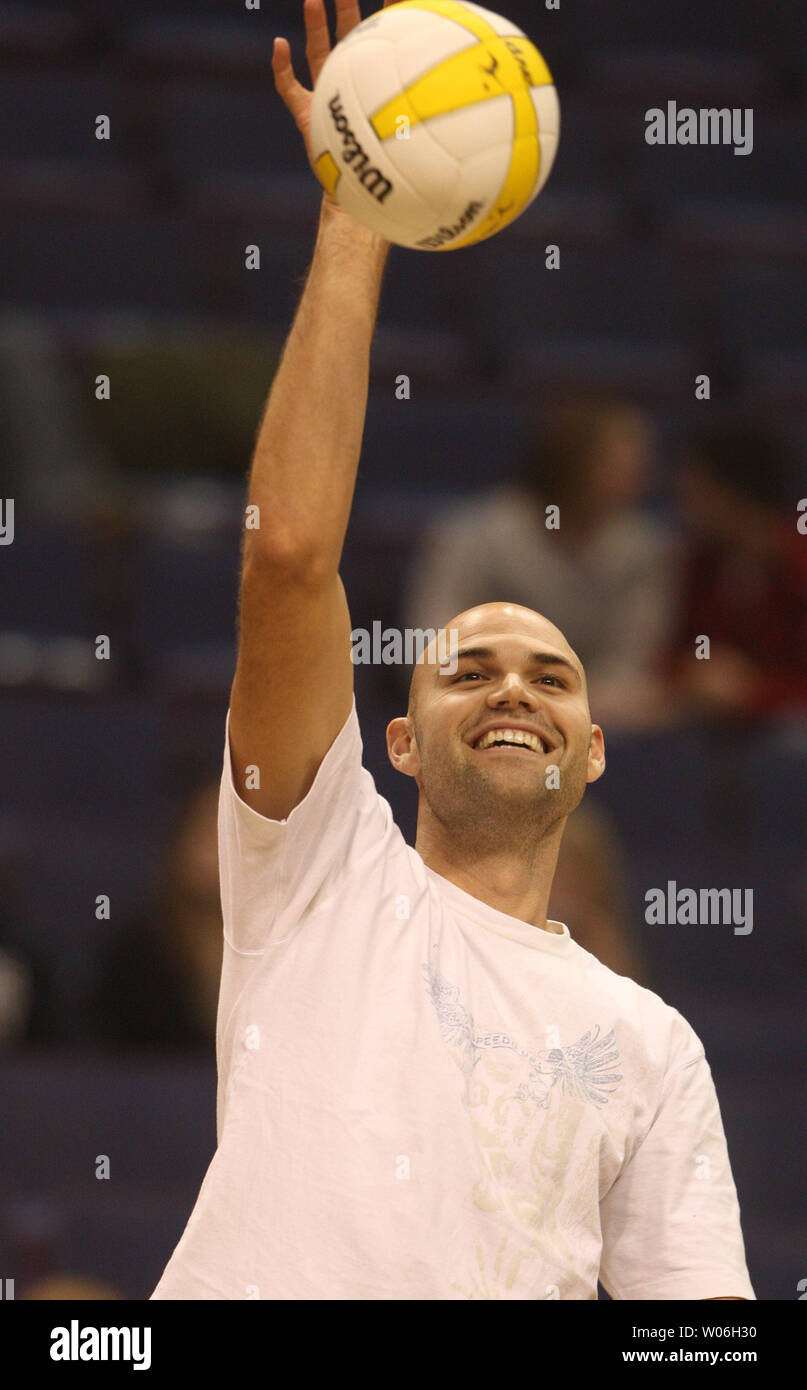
{"type": "Point", "coordinates": [328, 172]}
{"type": "Point", "coordinates": [522, 175]}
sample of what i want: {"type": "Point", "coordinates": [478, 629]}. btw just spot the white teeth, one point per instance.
{"type": "Point", "coordinates": [517, 736]}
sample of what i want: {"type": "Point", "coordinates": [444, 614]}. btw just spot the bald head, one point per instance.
{"type": "Point", "coordinates": [481, 633]}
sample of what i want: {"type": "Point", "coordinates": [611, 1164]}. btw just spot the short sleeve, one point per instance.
{"type": "Point", "coordinates": [271, 871]}
{"type": "Point", "coordinates": [671, 1222]}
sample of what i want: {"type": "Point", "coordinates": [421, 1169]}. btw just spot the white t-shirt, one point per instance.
{"type": "Point", "coordinates": [421, 1097]}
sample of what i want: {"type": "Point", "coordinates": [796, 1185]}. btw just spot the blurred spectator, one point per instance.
{"type": "Point", "coordinates": [604, 574]}
{"type": "Point", "coordinates": [158, 984]}
{"type": "Point", "coordinates": [589, 893]}
{"type": "Point", "coordinates": [744, 583]}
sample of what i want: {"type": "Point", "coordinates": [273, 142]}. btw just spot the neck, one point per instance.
{"type": "Point", "coordinates": [514, 881]}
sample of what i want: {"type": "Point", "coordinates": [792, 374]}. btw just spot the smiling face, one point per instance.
{"type": "Point", "coordinates": [502, 747]}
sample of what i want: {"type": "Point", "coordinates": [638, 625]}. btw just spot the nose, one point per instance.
{"type": "Point", "coordinates": [512, 690]}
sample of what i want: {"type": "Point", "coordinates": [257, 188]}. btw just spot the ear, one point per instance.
{"type": "Point", "coordinates": [402, 746]}
{"type": "Point", "coordinates": [596, 754]}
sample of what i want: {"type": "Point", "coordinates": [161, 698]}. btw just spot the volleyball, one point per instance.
{"type": "Point", "coordinates": [434, 123]}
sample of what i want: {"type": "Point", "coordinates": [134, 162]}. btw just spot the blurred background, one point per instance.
{"type": "Point", "coordinates": [530, 387]}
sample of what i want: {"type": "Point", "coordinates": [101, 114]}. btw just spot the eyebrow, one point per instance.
{"type": "Point", "coordinates": [534, 659]}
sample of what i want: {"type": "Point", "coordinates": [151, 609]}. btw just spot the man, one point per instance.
{"type": "Point", "coordinates": [426, 1089]}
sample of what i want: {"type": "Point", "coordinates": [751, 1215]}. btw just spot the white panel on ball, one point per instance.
{"type": "Point", "coordinates": [373, 73]}
{"type": "Point", "coordinates": [401, 223]}
{"type": "Point", "coordinates": [367, 27]}
{"type": "Point", "coordinates": [483, 175]}
{"type": "Point", "coordinates": [461, 134]}
{"type": "Point", "coordinates": [445, 39]}
{"type": "Point", "coordinates": [549, 146]}
{"type": "Point", "coordinates": [394, 22]}
{"type": "Point", "coordinates": [424, 159]}
{"type": "Point", "coordinates": [547, 107]}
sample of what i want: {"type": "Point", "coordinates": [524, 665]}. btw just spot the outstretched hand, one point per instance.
{"type": "Point", "coordinates": [318, 45]}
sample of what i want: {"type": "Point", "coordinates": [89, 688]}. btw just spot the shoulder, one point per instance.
{"type": "Point", "coordinates": [658, 1028]}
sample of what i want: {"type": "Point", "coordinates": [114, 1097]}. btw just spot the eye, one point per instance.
{"type": "Point", "coordinates": [465, 675]}
{"type": "Point", "coordinates": [553, 679]}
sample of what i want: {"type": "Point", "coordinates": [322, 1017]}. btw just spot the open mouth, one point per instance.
{"type": "Point", "coordinates": [518, 740]}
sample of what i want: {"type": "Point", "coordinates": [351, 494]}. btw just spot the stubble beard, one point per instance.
{"type": "Point", "coordinates": [482, 813]}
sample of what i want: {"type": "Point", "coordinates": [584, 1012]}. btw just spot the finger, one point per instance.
{"type": "Point", "coordinates": [347, 17]}
{"type": "Point", "coordinates": [317, 37]}
{"type": "Point", "coordinates": [286, 83]}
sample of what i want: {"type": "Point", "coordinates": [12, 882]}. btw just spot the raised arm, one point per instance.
{"type": "Point", "coordinates": [293, 684]}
